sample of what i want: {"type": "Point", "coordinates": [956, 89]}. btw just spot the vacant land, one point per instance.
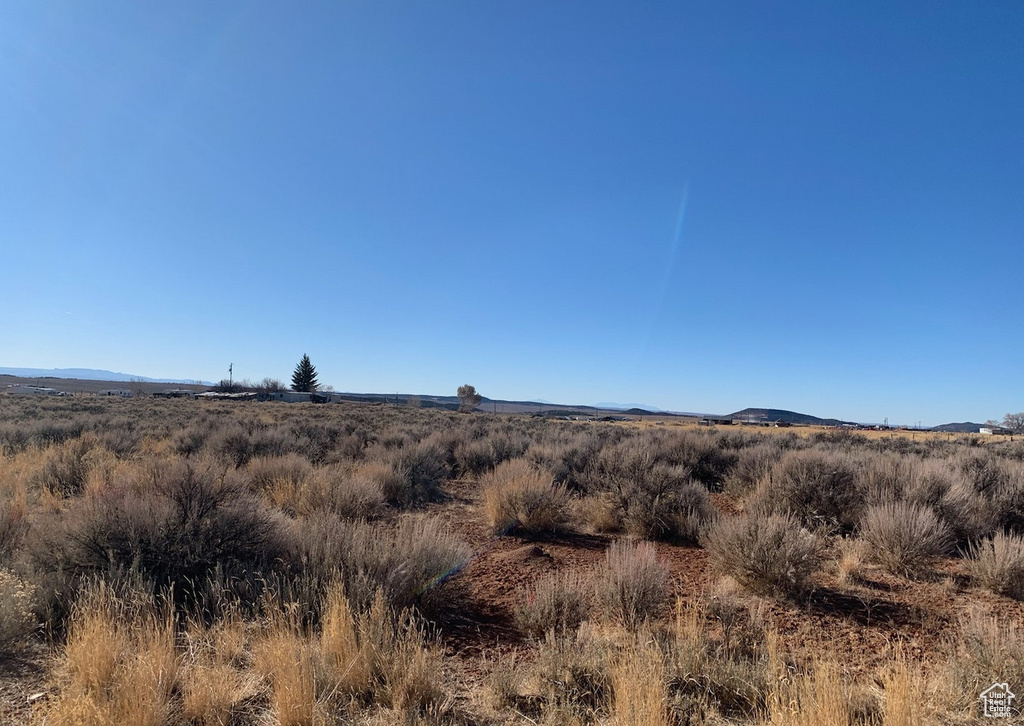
{"type": "Point", "coordinates": [182, 562]}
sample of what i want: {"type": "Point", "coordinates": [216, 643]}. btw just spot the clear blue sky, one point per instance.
{"type": "Point", "coordinates": [700, 206]}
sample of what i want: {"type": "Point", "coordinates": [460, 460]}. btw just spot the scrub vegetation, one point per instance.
{"type": "Point", "coordinates": [174, 562]}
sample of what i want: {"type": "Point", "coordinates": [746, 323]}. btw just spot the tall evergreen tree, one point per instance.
{"type": "Point", "coordinates": [304, 377]}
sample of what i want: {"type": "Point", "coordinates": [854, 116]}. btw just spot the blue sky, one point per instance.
{"type": "Point", "coordinates": [700, 206]}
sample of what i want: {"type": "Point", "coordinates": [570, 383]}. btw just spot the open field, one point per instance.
{"type": "Point", "coordinates": [184, 562]}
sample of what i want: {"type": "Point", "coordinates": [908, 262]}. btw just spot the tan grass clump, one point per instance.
{"type": "Point", "coordinates": [119, 661]}
{"type": "Point", "coordinates": [639, 686]}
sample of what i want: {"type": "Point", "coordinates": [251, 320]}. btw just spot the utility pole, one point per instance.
{"type": "Point", "coordinates": [231, 373]}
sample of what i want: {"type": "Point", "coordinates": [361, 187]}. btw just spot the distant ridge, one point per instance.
{"type": "Point", "coordinates": [966, 427]}
{"type": "Point", "coordinates": [89, 374]}
{"type": "Point", "coordinates": [790, 417]}
{"type": "Point", "coordinates": [630, 406]}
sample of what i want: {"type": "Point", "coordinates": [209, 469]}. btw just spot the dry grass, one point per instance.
{"type": "Point", "coordinates": [120, 663]}
{"type": "Point", "coordinates": [558, 603]}
{"type": "Point", "coordinates": [639, 686]}
{"type": "Point", "coordinates": [815, 698]}
{"type": "Point", "coordinates": [631, 585]}
{"type": "Point", "coordinates": [997, 563]}
{"type": "Point", "coordinates": [90, 491]}
{"type": "Point", "coordinates": [520, 499]}
{"type": "Point", "coordinates": [17, 620]}
{"type": "Point", "coordinates": [216, 686]}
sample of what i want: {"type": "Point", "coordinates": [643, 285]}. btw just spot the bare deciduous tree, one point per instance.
{"type": "Point", "coordinates": [1014, 422]}
{"type": "Point", "coordinates": [468, 398]}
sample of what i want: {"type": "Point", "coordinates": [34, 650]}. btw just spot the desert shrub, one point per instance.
{"type": "Point", "coordinates": [903, 538]}
{"type": "Point", "coordinates": [967, 514]}
{"type": "Point", "coordinates": [66, 465]}
{"type": "Point", "coordinates": [557, 603]}
{"type": "Point", "coordinates": [770, 554]}
{"type": "Point", "coordinates": [16, 618]}
{"type": "Point", "coordinates": [647, 497]}
{"type": "Point", "coordinates": [312, 440]}
{"type": "Point", "coordinates": [408, 564]}
{"type": "Point", "coordinates": [928, 483]}
{"type": "Point", "coordinates": [279, 472]}
{"type": "Point", "coordinates": [233, 443]}
{"type": "Point", "coordinates": [567, 459]}
{"type": "Point", "coordinates": [422, 468]}
{"type": "Point", "coordinates": [241, 441]}
{"type": "Point", "coordinates": [840, 438]}
{"type": "Point", "coordinates": [473, 458]}
{"type": "Point", "coordinates": [753, 464]}
{"type": "Point", "coordinates": [47, 430]}
{"type": "Point", "coordinates": [519, 499]}
{"type": "Point", "coordinates": [818, 487]}
{"type": "Point", "coordinates": [679, 514]}
{"type": "Point", "coordinates": [885, 477]}
{"type": "Point", "coordinates": [179, 526]}
{"type": "Point", "coordinates": [1007, 499]}
{"type": "Point", "coordinates": [997, 563]}
{"type": "Point", "coordinates": [350, 494]}
{"type": "Point", "coordinates": [631, 585]}
{"type": "Point", "coordinates": [190, 440]}
{"type": "Point", "coordinates": [705, 460]}
{"type": "Point", "coordinates": [983, 470]}
{"type": "Point", "coordinates": [119, 435]}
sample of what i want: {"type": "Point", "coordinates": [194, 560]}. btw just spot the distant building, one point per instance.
{"type": "Point", "coordinates": [220, 396]}
{"type": "Point", "coordinates": [119, 392]}
{"type": "Point", "coordinates": [991, 430]}
{"type": "Point", "coordinates": [174, 393]}
{"type": "Point", "coordinates": [304, 397]}
{"type": "Point", "coordinates": [715, 421]}
{"type": "Point", "coordinates": [24, 389]}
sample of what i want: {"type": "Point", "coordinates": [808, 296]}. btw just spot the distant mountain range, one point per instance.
{"type": "Point", "coordinates": [89, 374]}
